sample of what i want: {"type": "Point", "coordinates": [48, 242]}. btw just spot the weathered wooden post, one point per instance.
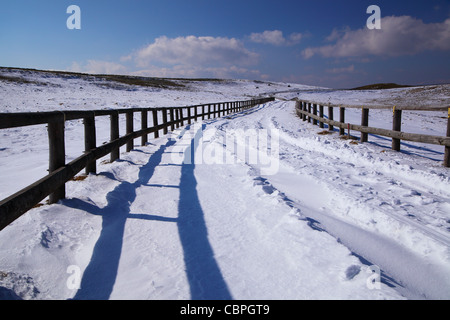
{"type": "Point", "coordinates": [396, 126]}
{"type": "Point", "coordinates": [144, 125]}
{"type": "Point", "coordinates": [195, 113]}
{"type": "Point", "coordinates": [114, 135]}
{"type": "Point", "coordinates": [314, 113]}
{"type": "Point", "coordinates": [172, 119]}
{"type": "Point", "coordinates": [181, 122]}
{"type": "Point", "coordinates": [341, 120]}
{"type": "Point", "coordinates": [155, 122]}
{"type": "Point", "coordinates": [57, 153]}
{"type": "Point", "coordinates": [364, 123]}
{"type": "Point", "coordinates": [164, 114]}
{"type": "Point", "coordinates": [309, 111]}
{"type": "Point", "coordinates": [177, 117]}
{"type": "Point", "coordinates": [304, 109]}
{"type": "Point", "coordinates": [321, 125]}
{"type": "Point", "coordinates": [130, 129]}
{"type": "Point", "coordinates": [90, 141]}
{"type": "Point", "coordinates": [330, 117]}
{"type": "Point", "coordinates": [297, 108]}
{"type": "Point", "coordinates": [189, 115]}
{"type": "Point", "coordinates": [447, 148]}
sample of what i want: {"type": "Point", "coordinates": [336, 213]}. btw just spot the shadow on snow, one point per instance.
{"type": "Point", "coordinates": [203, 273]}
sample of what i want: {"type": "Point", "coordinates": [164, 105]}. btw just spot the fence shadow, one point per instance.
{"type": "Point", "coordinates": [100, 275]}
{"type": "Point", "coordinates": [203, 273]}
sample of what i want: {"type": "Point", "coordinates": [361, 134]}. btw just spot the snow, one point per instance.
{"type": "Point", "coordinates": [298, 216]}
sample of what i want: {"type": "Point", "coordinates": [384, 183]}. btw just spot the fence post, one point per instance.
{"type": "Point", "coordinates": [189, 115]}
{"type": "Point", "coordinates": [90, 141]}
{"type": "Point", "coordinates": [396, 126]}
{"type": "Point", "coordinates": [314, 113]}
{"type": "Point", "coordinates": [177, 117]}
{"type": "Point", "coordinates": [304, 109]}
{"type": "Point", "coordinates": [155, 122]}
{"type": "Point", "coordinates": [172, 119]}
{"type": "Point", "coordinates": [144, 125]}
{"type": "Point", "coordinates": [447, 149]}
{"type": "Point", "coordinates": [321, 116]}
{"type": "Point", "coordinates": [341, 120]}
{"type": "Point", "coordinates": [364, 123]}
{"type": "Point", "coordinates": [57, 153]}
{"type": "Point", "coordinates": [309, 111]}
{"type": "Point", "coordinates": [130, 129]}
{"type": "Point", "coordinates": [114, 135]}
{"type": "Point", "coordinates": [164, 114]}
{"type": "Point", "coordinates": [180, 111]}
{"type": "Point", "coordinates": [330, 117]}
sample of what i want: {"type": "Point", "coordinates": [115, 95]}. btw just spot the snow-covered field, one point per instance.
{"type": "Point", "coordinates": [303, 216]}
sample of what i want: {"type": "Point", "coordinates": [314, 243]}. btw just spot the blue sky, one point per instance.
{"type": "Point", "coordinates": [322, 42]}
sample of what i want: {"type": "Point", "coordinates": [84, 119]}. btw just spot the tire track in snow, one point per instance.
{"type": "Point", "coordinates": [317, 164]}
{"type": "Point", "coordinates": [316, 156]}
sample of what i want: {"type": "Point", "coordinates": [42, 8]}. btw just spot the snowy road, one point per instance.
{"type": "Point", "coordinates": [157, 225]}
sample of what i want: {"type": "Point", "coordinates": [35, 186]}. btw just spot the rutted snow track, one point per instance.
{"type": "Point", "coordinates": [375, 202]}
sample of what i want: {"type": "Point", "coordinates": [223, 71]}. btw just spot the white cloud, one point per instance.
{"type": "Point", "coordinates": [195, 51]}
{"type": "Point", "coordinates": [275, 37]}
{"type": "Point", "coordinates": [398, 36]}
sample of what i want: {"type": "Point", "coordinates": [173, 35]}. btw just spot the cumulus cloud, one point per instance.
{"type": "Point", "coordinates": [276, 37]}
{"type": "Point", "coordinates": [193, 51]}
{"type": "Point", "coordinates": [398, 36]}
{"type": "Point", "coordinates": [183, 57]}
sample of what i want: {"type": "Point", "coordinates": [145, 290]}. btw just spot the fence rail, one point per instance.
{"type": "Point", "coordinates": [53, 185]}
{"type": "Point", "coordinates": [312, 111]}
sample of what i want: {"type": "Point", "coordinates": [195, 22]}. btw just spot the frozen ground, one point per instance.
{"type": "Point", "coordinates": [191, 216]}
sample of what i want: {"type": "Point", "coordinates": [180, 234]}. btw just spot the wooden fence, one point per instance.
{"type": "Point", "coordinates": [53, 185]}
{"type": "Point", "coordinates": [312, 111]}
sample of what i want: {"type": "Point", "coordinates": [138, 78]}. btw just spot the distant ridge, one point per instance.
{"type": "Point", "coordinates": [379, 86]}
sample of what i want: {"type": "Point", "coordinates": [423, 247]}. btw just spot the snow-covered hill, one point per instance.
{"type": "Point", "coordinates": [297, 216]}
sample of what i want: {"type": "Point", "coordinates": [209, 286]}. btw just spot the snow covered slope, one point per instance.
{"type": "Point", "coordinates": [190, 216]}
